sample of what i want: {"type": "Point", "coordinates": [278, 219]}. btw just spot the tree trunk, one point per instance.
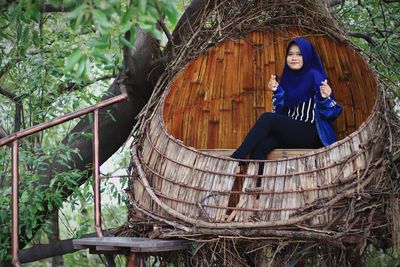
{"type": "Point", "coordinates": [54, 236]}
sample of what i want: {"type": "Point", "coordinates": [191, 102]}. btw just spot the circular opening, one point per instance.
{"type": "Point", "coordinates": [216, 98]}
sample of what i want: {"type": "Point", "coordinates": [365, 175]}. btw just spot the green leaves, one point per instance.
{"type": "Point", "coordinates": [35, 10]}
{"type": "Point", "coordinates": [171, 13]}
{"type": "Point", "coordinates": [114, 20]}
{"type": "Point", "coordinates": [73, 59]}
{"type": "Point", "coordinates": [25, 197]}
{"type": "Point", "coordinates": [79, 64]}
{"type": "Point", "coordinates": [142, 6]}
{"type": "Point", "coordinates": [378, 21]}
{"type": "Point", "coordinates": [170, 10]}
{"type": "Point", "coordinates": [78, 12]}
{"type": "Point", "coordinates": [101, 21]}
{"type": "Point", "coordinates": [50, 57]}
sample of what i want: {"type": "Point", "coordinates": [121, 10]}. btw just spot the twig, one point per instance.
{"type": "Point", "coordinates": [164, 28]}
{"type": "Point", "coordinates": [364, 36]}
{"type": "Point", "coordinates": [3, 132]}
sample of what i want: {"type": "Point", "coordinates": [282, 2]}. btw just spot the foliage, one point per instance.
{"type": "Point", "coordinates": [76, 212]}
{"type": "Point", "coordinates": [32, 193]}
{"type": "Point", "coordinates": [388, 258]}
{"type": "Point", "coordinates": [375, 27]}
{"type": "Point", "coordinates": [101, 22]}
{"type": "Point", "coordinates": [77, 218]}
{"type": "Point", "coordinates": [52, 63]}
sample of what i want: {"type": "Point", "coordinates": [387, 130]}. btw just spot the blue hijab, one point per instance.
{"type": "Point", "coordinates": [301, 85]}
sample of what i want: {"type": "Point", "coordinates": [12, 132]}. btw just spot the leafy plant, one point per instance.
{"type": "Point", "coordinates": [52, 63]}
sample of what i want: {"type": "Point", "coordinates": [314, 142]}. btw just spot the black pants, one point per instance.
{"type": "Point", "coordinates": [273, 130]}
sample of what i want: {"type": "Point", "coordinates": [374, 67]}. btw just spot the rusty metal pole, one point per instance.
{"type": "Point", "coordinates": [96, 175]}
{"type": "Point", "coordinates": [14, 196]}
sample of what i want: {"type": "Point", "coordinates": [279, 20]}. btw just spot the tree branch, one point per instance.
{"type": "Point", "coordinates": [188, 21]}
{"type": "Point", "coordinates": [44, 8]}
{"type": "Point", "coordinates": [161, 60]}
{"type": "Point", "coordinates": [18, 107]}
{"type": "Point", "coordinates": [165, 29]}
{"type": "Point", "coordinates": [3, 132]}
{"type": "Point", "coordinates": [18, 116]}
{"type": "Point", "coordinates": [73, 86]}
{"type": "Point", "coordinates": [57, 248]}
{"type": "Point", "coordinates": [10, 64]}
{"type": "Point", "coordinates": [331, 3]}
{"type": "Point", "coordinates": [372, 17]}
{"type": "Point", "coordinates": [8, 94]}
{"type": "Point", "coordinates": [364, 36]}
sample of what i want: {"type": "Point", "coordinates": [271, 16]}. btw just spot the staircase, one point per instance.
{"type": "Point", "coordinates": [133, 247]}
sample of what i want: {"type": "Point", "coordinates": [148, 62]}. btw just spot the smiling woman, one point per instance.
{"type": "Point", "coordinates": [303, 107]}
{"type": "Point", "coordinates": [294, 58]}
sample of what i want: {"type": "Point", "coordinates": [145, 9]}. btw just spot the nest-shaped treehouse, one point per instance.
{"type": "Point", "coordinates": [211, 97]}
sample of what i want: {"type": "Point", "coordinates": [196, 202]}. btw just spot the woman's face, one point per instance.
{"type": "Point", "coordinates": [294, 58]}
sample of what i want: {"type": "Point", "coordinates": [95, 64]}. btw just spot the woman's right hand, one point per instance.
{"type": "Point", "coordinates": [273, 84]}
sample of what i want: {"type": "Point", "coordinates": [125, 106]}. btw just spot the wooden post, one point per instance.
{"type": "Point", "coordinates": [135, 260]}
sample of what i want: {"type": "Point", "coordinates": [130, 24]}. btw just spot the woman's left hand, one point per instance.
{"type": "Point", "coordinates": [325, 89]}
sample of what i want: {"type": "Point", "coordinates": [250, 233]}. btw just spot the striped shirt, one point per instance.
{"type": "Point", "coordinates": [303, 112]}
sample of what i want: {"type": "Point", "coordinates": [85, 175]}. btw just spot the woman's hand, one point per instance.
{"type": "Point", "coordinates": [273, 84]}
{"type": "Point", "coordinates": [325, 89]}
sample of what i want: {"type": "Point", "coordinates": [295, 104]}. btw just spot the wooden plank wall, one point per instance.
{"type": "Point", "coordinates": [217, 97]}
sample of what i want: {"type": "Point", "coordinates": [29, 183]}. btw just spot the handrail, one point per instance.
{"type": "Point", "coordinates": [14, 138]}
{"type": "Point", "coordinates": [45, 125]}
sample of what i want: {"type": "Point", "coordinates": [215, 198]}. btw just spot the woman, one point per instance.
{"type": "Point", "coordinates": [304, 107]}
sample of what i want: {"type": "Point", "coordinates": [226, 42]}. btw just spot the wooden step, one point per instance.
{"type": "Point", "coordinates": [133, 244]}
{"type": "Point", "coordinates": [274, 154]}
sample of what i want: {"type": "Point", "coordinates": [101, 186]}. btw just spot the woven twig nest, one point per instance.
{"type": "Point", "coordinates": [208, 99]}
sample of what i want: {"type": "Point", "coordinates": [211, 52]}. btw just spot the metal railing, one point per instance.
{"type": "Point", "coordinates": [14, 138]}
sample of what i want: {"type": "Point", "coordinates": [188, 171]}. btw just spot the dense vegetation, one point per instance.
{"type": "Point", "coordinates": [58, 56]}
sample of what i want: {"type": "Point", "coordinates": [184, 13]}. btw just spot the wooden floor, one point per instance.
{"type": "Point", "coordinates": [135, 248]}
{"type": "Point", "coordinates": [274, 154]}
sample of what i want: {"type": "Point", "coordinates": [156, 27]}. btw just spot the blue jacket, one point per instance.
{"type": "Point", "coordinates": [326, 110]}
